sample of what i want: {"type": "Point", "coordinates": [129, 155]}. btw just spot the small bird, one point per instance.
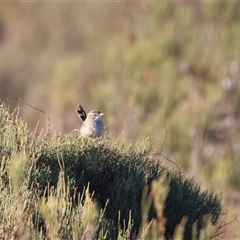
{"type": "Point", "coordinates": [92, 122]}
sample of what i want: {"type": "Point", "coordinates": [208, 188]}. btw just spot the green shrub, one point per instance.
{"type": "Point", "coordinates": [49, 176]}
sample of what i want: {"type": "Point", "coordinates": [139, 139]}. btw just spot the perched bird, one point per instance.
{"type": "Point", "coordinates": [92, 122]}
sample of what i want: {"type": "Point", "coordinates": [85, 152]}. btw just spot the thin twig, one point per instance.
{"type": "Point", "coordinates": [160, 154]}
{"type": "Point", "coordinates": [233, 219]}
{"type": "Point", "coordinates": [164, 140]}
{"type": "Point", "coordinates": [29, 105]}
{"type": "Point", "coordinates": [75, 130]}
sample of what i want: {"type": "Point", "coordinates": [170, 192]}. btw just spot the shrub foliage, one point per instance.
{"type": "Point", "coordinates": [69, 187]}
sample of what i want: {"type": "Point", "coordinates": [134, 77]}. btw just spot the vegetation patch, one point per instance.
{"type": "Point", "coordinates": [68, 187]}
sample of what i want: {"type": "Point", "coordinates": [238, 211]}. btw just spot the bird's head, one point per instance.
{"type": "Point", "coordinates": [95, 115]}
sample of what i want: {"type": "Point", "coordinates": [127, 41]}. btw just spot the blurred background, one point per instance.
{"type": "Point", "coordinates": [148, 66]}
